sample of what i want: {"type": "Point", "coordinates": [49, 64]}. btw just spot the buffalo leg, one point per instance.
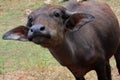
{"type": "Point", "coordinates": [80, 78]}
{"type": "Point", "coordinates": [77, 78]}
{"type": "Point", "coordinates": [108, 70]}
{"type": "Point", "coordinates": [100, 69]}
{"type": "Point", "coordinates": [117, 58]}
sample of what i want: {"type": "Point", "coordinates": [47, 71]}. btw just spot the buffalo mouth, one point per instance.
{"type": "Point", "coordinates": [40, 38]}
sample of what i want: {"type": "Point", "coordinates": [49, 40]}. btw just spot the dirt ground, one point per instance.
{"type": "Point", "coordinates": [57, 73]}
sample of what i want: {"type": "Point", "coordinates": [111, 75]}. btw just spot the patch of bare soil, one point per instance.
{"type": "Point", "coordinates": [56, 73]}
{"type": "Point", "coordinates": [19, 75]}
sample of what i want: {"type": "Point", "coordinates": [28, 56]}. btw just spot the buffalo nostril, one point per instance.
{"type": "Point", "coordinates": [42, 28]}
{"type": "Point", "coordinates": [31, 30]}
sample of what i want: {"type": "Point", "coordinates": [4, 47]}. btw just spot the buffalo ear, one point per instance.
{"type": "Point", "coordinates": [78, 20]}
{"type": "Point", "coordinates": [19, 33]}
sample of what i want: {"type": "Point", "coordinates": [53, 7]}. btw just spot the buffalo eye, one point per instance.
{"type": "Point", "coordinates": [56, 14]}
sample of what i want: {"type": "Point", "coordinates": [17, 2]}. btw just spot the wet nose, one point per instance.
{"type": "Point", "coordinates": [37, 28]}
{"type": "Point", "coordinates": [38, 31]}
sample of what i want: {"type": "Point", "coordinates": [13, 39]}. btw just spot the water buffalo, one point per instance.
{"type": "Point", "coordinates": [81, 36]}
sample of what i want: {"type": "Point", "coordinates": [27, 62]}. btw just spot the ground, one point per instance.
{"type": "Point", "coordinates": [53, 73]}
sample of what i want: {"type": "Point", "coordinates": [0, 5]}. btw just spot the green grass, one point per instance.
{"type": "Point", "coordinates": [15, 55]}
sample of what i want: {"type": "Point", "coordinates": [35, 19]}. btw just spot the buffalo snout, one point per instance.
{"type": "Point", "coordinates": [38, 31]}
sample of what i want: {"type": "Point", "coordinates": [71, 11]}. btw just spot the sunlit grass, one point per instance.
{"type": "Point", "coordinates": [15, 55]}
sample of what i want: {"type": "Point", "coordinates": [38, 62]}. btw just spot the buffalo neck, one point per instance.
{"type": "Point", "coordinates": [64, 52]}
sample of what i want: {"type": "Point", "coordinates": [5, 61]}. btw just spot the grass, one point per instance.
{"type": "Point", "coordinates": [15, 55]}
{"type": "Point", "coordinates": [19, 55]}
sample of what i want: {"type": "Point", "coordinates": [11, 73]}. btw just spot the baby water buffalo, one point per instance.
{"type": "Point", "coordinates": [82, 36]}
